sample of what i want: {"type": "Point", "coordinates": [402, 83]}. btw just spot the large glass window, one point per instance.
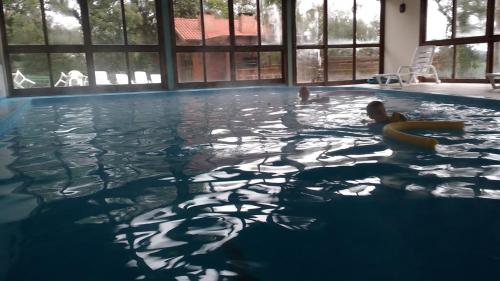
{"type": "Point", "coordinates": [245, 22]}
{"type": "Point", "coordinates": [471, 61]}
{"type": "Point", "coordinates": [340, 64]}
{"type": "Point", "coordinates": [340, 22]}
{"type": "Point", "coordinates": [271, 25]}
{"type": "Point", "coordinates": [190, 67]}
{"type": "Point", "coordinates": [460, 30]}
{"type": "Point", "coordinates": [367, 21]}
{"type": "Point", "coordinates": [247, 64]}
{"type": "Point", "coordinates": [497, 17]}
{"type": "Point", "coordinates": [310, 67]}
{"type": "Point", "coordinates": [106, 22]}
{"type": "Point", "coordinates": [270, 65]}
{"type": "Point", "coordinates": [471, 18]}
{"type": "Point", "coordinates": [216, 22]}
{"type": "Point", "coordinates": [218, 66]}
{"type": "Point", "coordinates": [110, 68]}
{"type": "Point", "coordinates": [69, 69]}
{"type": "Point", "coordinates": [145, 67]}
{"type": "Point", "coordinates": [352, 46]}
{"type": "Point", "coordinates": [440, 18]}
{"type": "Point", "coordinates": [443, 61]}
{"type": "Point", "coordinates": [496, 58]}
{"type": "Point", "coordinates": [309, 22]}
{"type": "Point", "coordinates": [367, 62]}
{"type": "Point", "coordinates": [76, 43]}
{"type": "Point", "coordinates": [141, 22]}
{"type": "Point", "coordinates": [30, 70]}
{"type": "Point", "coordinates": [221, 41]}
{"type": "Point", "coordinates": [63, 22]}
{"type": "Point", "coordinates": [20, 30]}
{"type": "Point", "coordinates": [187, 22]}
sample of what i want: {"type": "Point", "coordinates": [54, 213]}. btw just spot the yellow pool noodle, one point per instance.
{"type": "Point", "coordinates": [394, 131]}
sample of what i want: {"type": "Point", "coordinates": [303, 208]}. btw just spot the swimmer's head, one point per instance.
{"type": "Point", "coordinates": [376, 111]}
{"type": "Point", "coordinates": [304, 94]}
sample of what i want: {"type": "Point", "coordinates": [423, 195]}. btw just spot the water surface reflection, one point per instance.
{"type": "Point", "coordinates": [172, 185]}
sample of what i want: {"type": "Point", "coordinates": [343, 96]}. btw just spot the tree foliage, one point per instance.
{"type": "Point", "coordinates": [21, 31]}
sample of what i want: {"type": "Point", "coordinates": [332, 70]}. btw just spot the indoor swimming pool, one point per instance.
{"type": "Point", "coordinates": [246, 184]}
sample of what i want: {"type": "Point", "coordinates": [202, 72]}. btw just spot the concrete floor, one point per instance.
{"type": "Point", "coordinates": [476, 90]}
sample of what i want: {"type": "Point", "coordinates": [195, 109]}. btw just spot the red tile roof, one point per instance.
{"type": "Point", "coordinates": [190, 29]}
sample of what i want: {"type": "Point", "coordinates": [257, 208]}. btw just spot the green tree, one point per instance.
{"type": "Point", "coordinates": [141, 22]}
{"type": "Point", "coordinates": [245, 7]}
{"type": "Point", "coordinates": [21, 31]}
{"type": "Point", "coordinates": [471, 9]}
{"type": "Point", "coordinates": [340, 27]}
{"type": "Point", "coordinates": [106, 21]}
{"type": "Point", "coordinates": [186, 8]}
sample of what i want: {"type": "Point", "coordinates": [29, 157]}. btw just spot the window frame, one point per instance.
{"type": "Point", "coordinates": [232, 48]}
{"type": "Point", "coordinates": [89, 50]}
{"type": "Point", "coordinates": [325, 46]}
{"type": "Point", "coordinates": [489, 38]}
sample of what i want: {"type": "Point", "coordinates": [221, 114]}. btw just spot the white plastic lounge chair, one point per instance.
{"type": "Point", "coordinates": [76, 78]}
{"type": "Point", "coordinates": [19, 79]}
{"type": "Point", "coordinates": [389, 78]}
{"type": "Point", "coordinates": [156, 78]}
{"type": "Point", "coordinates": [141, 77]}
{"type": "Point", "coordinates": [63, 80]}
{"type": "Point", "coordinates": [121, 79]}
{"type": "Point", "coordinates": [421, 65]}
{"type": "Point", "coordinates": [491, 77]}
{"type": "Point", "coordinates": [101, 78]}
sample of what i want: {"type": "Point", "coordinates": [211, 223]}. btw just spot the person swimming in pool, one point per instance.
{"type": "Point", "coordinates": [376, 111]}
{"type": "Point", "coordinates": [305, 95]}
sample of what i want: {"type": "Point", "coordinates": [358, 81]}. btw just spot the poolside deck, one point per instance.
{"type": "Point", "coordinates": [477, 90]}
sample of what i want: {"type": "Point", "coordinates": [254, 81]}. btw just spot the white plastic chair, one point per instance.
{"type": "Point", "coordinates": [76, 78]}
{"type": "Point", "coordinates": [19, 79]}
{"type": "Point", "coordinates": [141, 77]}
{"type": "Point", "coordinates": [491, 77]}
{"type": "Point", "coordinates": [101, 78]}
{"type": "Point", "coordinates": [63, 80]}
{"type": "Point", "coordinates": [421, 65]}
{"type": "Point", "coordinates": [156, 78]}
{"type": "Point", "coordinates": [121, 79]}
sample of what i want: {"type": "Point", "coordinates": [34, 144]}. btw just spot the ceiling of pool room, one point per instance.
{"type": "Point", "coordinates": [72, 47]}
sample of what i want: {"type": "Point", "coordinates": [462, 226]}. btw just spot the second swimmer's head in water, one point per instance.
{"type": "Point", "coordinates": [376, 111]}
{"type": "Point", "coordinates": [304, 94]}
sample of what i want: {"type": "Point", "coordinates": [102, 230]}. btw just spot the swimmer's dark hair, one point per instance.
{"type": "Point", "coordinates": [374, 104]}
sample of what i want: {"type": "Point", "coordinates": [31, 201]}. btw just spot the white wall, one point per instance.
{"type": "Point", "coordinates": [402, 31]}
{"type": "Point", "coordinates": [3, 81]}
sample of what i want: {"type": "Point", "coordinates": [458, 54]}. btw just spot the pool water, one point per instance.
{"type": "Point", "coordinates": [246, 184]}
